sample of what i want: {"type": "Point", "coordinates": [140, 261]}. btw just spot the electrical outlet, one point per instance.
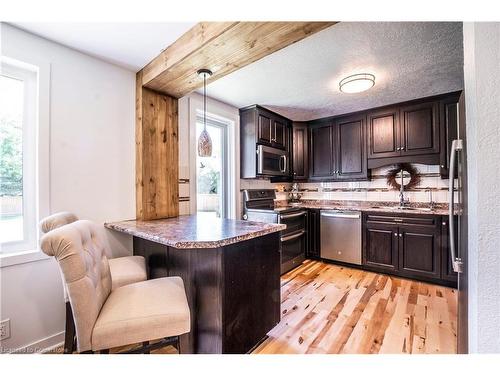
{"type": "Point", "coordinates": [4, 329]}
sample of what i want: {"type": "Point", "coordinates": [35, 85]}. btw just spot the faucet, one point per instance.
{"type": "Point", "coordinates": [432, 204]}
{"type": "Point", "coordinates": [402, 200]}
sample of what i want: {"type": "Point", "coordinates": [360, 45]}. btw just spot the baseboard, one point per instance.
{"type": "Point", "coordinates": [42, 346]}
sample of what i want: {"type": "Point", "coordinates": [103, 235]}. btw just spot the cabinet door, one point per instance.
{"type": "Point", "coordinates": [447, 272]}
{"type": "Point", "coordinates": [419, 251]}
{"type": "Point", "coordinates": [351, 162]}
{"type": "Point", "coordinates": [279, 132]}
{"type": "Point", "coordinates": [313, 233]}
{"type": "Point", "coordinates": [448, 128]}
{"type": "Point", "coordinates": [380, 246]}
{"type": "Point", "coordinates": [300, 152]}
{"type": "Point", "coordinates": [383, 133]}
{"type": "Point", "coordinates": [420, 131]}
{"type": "Point", "coordinates": [264, 122]}
{"type": "Point", "coordinates": [321, 152]}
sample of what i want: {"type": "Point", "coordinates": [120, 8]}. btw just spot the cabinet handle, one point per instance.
{"type": "Point", "coordinates": [400, 234]}
{"type": "Point", "coordinates": [395, 234]}
{"type": "Point", "coordinates": [444, 223]}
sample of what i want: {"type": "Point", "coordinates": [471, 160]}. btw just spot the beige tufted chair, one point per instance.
{"type": "Point", "coordinates": [124, 270]}
{"type": "Point", "coordinates": [106, 318]}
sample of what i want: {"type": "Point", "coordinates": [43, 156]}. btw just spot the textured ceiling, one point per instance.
{"type": "Point", "coordinates": [409, 60]}
{"type": "Point", "coordinates": [128, 44]}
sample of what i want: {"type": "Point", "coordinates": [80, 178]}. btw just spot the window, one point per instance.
{"type": "Point", "coordinates": [18, 157]}
{"type": "Point", "coordinates": [211, 172]}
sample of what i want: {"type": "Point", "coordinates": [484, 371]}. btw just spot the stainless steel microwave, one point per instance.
{"type": "Point", "coordinates": [272, 161]}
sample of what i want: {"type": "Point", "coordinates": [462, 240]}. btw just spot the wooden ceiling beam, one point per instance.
{"type": "Point", "coordinates": [222, 47]}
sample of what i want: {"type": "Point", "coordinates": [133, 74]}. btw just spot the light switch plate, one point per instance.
{"type": "Point", "coordinates": [4, 329]}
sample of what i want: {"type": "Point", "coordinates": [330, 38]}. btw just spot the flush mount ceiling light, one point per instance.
{"type": "Point", "coordinates": [357, 83]}
{"type": "Point", "coordinates": [204, 142]}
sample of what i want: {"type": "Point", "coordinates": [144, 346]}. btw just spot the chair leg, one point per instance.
{"type": "Point", "coordinates": [145, 344]}
{"type": "Point", "coordinates": [178, 345]}
{"type": "Point", "coordinates": [69, 334]}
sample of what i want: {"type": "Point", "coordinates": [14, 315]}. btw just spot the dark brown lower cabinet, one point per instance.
{"type": "Point", "coordinates": [381, 246]}
{"type": "Point", "coordinates": [313, 235]}
{"type": "Point", "coordinates": [419, 251]}
{"type": "Point", "coordinates": [413, 246]}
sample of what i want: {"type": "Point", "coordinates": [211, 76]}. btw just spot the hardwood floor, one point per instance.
{"type": "Point", "coordinates": [331, 309]}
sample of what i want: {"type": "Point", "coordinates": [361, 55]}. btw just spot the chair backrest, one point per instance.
{"type": "Point", "coordinates": [57, 220]}
{"type": "Point", "coordinates": [80, 248]}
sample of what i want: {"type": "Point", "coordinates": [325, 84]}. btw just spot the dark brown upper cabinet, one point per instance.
{"type": "Point", "coordinates": [322, 153]}
{"type": "Point", "coordinates": [338, 149]}
{"type": "Point", "coordinates": [300, 151]}
{"type": "Point", "coordinates": [448, 112]}
{"type": "Point", "coordinates": [260, 126]}
{"type": "Point", "coordinates": [420, 129]}
{"type": "Point", "coordinates": [350, 147]}
{"type": "Point", "coordinates": [383, 133]}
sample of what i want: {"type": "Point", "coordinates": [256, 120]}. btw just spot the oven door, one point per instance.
{"type": "Point", "coordinates": [272, 162]}
{"type": "Point", "coordinates": [293, 247]}
{"type": "Point", "coordinates": [293, 239]}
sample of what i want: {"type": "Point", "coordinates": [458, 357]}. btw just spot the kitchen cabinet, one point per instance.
{"type": "Point", "coordinates": [313, 233]}
{"type": "Point", "coordinates": [419, 252]}
{"type": "Point", "coordinates": [300, 151]}
{"type": "Point", "coordinates": [272, 129]}
{"type": "Point", "coordinates": [338, 149]}
{"type": "Point", "coordinates": [383, 133]}
{"type": "Point", "coordinates": [350, 148]}
{"type": "Point", "coordinates": [405, 133]}
{"type": "Point", "coordinates": [448, 111]}
{"type": "Point", "coordinates": [406, 245]}
{"type": "Point", "coordinates": [381, 246]}
{"type": "Point", "coordinates": [259, 126]}
{"type": "Point", "coordinates": [322, 155]}
{"type": "Point", "coordinates": [419, 129]}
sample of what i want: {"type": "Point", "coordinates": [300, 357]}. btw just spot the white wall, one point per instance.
{"type": "Point", "coordinates": [482, 96]}
{"type": "Point", "coordinates": [92, 172]}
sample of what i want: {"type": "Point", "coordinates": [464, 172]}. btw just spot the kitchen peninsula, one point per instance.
{"type": "Point", "coordinates": [231, 272]}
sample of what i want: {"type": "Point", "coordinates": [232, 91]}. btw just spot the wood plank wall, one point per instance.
{"type": "Point", "coordinates": [157, 154]}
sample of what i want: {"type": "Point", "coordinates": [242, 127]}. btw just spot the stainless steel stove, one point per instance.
{"type": "Point", "coordinates": [258, 205]}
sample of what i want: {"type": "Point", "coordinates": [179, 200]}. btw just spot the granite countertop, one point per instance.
{"type": "Point", "coordinates": [366, 206]}
{"type": "Point", "coordinates": [194, 232]}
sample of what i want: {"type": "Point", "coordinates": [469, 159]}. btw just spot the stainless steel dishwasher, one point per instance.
{"type": "Point", "coordinates": [341, 236]}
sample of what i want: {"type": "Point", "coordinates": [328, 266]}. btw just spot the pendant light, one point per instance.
{"type": "Point", "coordinates": [204, 142]}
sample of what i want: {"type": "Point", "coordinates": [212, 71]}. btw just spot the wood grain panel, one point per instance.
{"type": "Point", "coordinates": [157, 155]}
{"type": "Point", "coordinates": [329, 309]}
{"type": "Point", "coordinates": [223, 48]}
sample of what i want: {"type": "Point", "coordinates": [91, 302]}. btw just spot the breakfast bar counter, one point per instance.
{"type": "Point", "coordinates": [231, 273]}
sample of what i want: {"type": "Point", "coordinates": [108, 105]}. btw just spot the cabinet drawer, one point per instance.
{"type": "Point", "coordinates": [393, 219]}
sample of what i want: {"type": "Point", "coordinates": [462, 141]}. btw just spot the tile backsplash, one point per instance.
{"type": "Point", "coordinates": [374, 190]}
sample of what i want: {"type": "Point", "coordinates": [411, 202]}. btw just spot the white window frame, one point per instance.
{"type": "Point", "coordinates": [35, 173]}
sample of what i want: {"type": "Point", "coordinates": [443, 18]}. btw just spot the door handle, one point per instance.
{"type": "Point", "coordinates": [456, 145]}
{"type": "Point", "coordinates": [291, 216]}
{"type": "Point", "coordinates": [283, 157]}
{"type": "Point", "coordinates": [292, 236]}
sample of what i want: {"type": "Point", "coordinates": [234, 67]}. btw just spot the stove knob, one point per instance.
{"type": "Point", "coordinates": [245, 217]}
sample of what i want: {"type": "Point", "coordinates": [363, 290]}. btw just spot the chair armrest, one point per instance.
{"type": "Point", "coordinates": [127, 270]}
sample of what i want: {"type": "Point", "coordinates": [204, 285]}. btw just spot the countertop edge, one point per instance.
{"type": "Point", "coordinates": [272, 228]}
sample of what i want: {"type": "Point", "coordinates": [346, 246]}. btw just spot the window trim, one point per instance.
{"type": "Point", "coordinates": [42, 166]}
